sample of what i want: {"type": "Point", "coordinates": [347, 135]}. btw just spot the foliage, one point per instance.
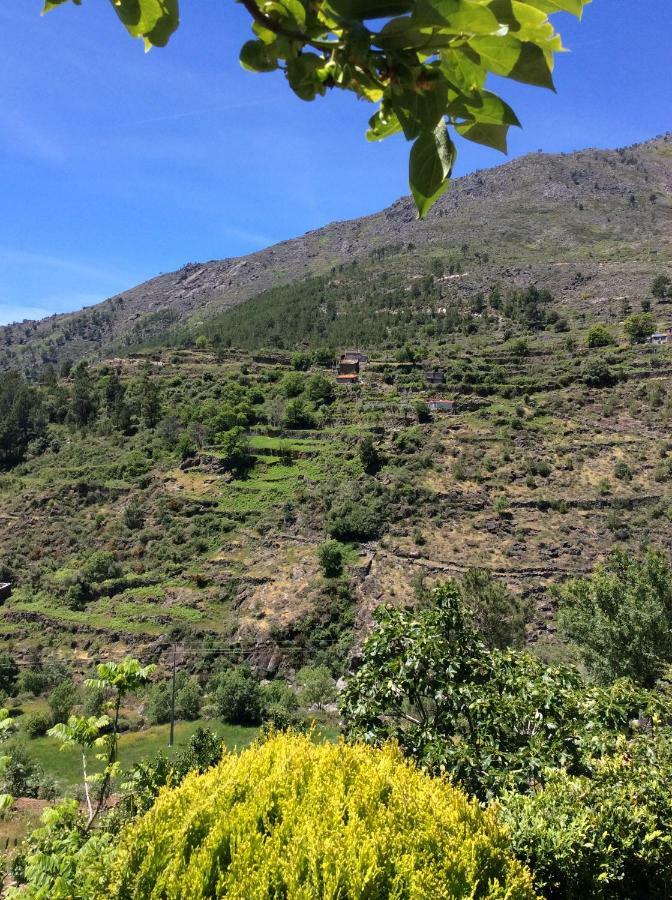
{"type": "Point", "coordinates": [494, 720]}
{"type": "Point", "coordinates": [9, 674]}
{"type": "Point", "coordinates": [61, 860]}
{"type": "Point", "coordinates": [599, 336]}
{"type": "Point", "coordinates": [83, 733]}
{"type": "Point", "coordinates": [639, 326]}
{"type": "Point", "coordinates": [117, 680]}
{"type": "Point", "coordinates": [317, 686]}
{"type": "Point", "coordinates": [21, 418]}
{"type": "Point", "coordinates": [22, 776]}
{"type": "Point", "coordinates": [662, 287]}
{"type": "Point", "coordinates": [293, 818]}
{"type": "Point", "coordinates": [370, 455]}
{"type": "Point", "coordinates": [620, 617]}
{"type": "Point", "coordinates": [596, 373]}
{"type": "Point", "coordinates": [235, 448]}
{"type": "Point", "coordinates": [62, 700]}
{"type": "Point", "coordinates": [238, 697]}
{"type": "Point", "coordinates": [330, 555]}
{"type": "Point", "coordinates": [604, 836]}
{"type": "Point", "coordinates": [424, 64]}
{"type": "Point", "coordinates": [500, 616]}
{"type": "Point", "coordinates": [355, 515]}
{"type": "Point", "coordinates": [37, 725]}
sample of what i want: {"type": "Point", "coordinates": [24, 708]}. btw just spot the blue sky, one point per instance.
{"type": "Point", "coordinates": [116, 165]}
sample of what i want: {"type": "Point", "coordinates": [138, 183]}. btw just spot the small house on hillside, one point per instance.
{"type": "Point", "coordinates": [348, 365]}
{"type": "Point", "coordinates": [661, 337]}
{"type": "Point", "coordinates": [5, 591]}
{"type": "Point", "coordinates": [439, 405]}
{"type": "Point", "coordinates": [355, 354]}
{"type": "Point", "coordinates": [435, 377]}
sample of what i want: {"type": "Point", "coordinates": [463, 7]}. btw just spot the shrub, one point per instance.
{"type": "Point", "coordinates": [62, 700]}
{"type": "Point", "coordinates": [317, 686]}
{"type": "Point", "coordinates": [188, 701]}
{"type": "Point", "coordinates": [9, 674]}
{"type": "Point", "coordinates": [294, 819]}
{"type": "Point", "coordinates": [639, 326]}
{"type": "Point", "coordinates": [238, 697]}
{"type": "Point", "coordinates": [330, 555]}
{"type": "Point", "coordinates": [599, 336]}
{"type": "Point", "coordinates": [100, 566]}
{"type": "Point", "coordinates": [622, 471]}
{"type": "Point", "coordinates": [600, 837]}
{"type": "Point", "coordinates": [620, 617]}
{"type": "Point", "coordinates": [37, 725]}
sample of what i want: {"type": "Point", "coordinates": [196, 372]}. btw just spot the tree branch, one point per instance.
{"type": "Point", "coordinates": [271, 25]}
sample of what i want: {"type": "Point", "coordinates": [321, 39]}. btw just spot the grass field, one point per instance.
{"type": "Point", "coordinates": [65, 766]}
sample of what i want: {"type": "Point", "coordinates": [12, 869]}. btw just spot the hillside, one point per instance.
{"type": "Point", "coordinates": [591, 226]}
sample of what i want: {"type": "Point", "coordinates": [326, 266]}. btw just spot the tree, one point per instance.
{"type": "Point", "coordinates": [9, 673]}
{"type": "Point", "coordinates": [369, 455]}
{"type": "Point", "coordinates": [330, 555]}
{"type": "Point", "coordinates": [620, 617]}
{"type": "Point", "coordinates": [150, 402]}
{"type": "Point", "coordinates": [188, 701]}
{"type": "Point", "coordinates": [424, 65]}
{"type": "Point", "coordinates": [83, 733]}
{"type": "Point", "coordinates": [21, 418]}
{"type": "Point", "coordinates": [639, 327]}
{"type": "Point", "coordinates": [493, 720]}
{"type": "Point", "coordinates": [500, 616]}
{"type": "Point", "coordinates": [599, 336]}
{"type": "Point", "coordinates": [317, 686]}
{"type": "Point", "coordinates": [83, 404]}
{"type": "Point", "coordinates": [62, 700]}
{"type": "Point", "coordinates": [238, 697]}
{"type": "Point", "coordinates": [319, 389]}
{"type": "Point", "coordinates": [298, 414]}
{"type": "Point", "coordinates": [662, 287]}
{"type": "Point", "coordinates": [235, 448]}
{"type": "Point", "coordinates": [116, 680]}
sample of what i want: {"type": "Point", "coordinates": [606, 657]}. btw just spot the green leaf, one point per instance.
{"type": "Point", "coordinates": [368, 9]}
{"type": "Point", "coordinates": [430, 165]}
{"type": "Point", "coordinates": [457, 16]}
{"type": "Point", "coordinates": [255, 57]}
{"type": "Point", "coordinates": [152, 20]}
{"type": "Point", "coordinates": [421, 110]}
{"type": "Point", "coordinates": [382, 124]}
{"type": "Point", "coordinates": [489, 135]}
{"type": "Point", "coordinates": [574, 7]}
{"type": "Point", "coordinates": [52, 4]}
{"type": "Point", "coordinates": [304, 76]}
{"type": "Point", "coordinates": [507, 56]}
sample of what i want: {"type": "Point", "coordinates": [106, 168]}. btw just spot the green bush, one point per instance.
{"type": "Point", "coordinates": [606, 836]}
{"type": "Point", "coordinates": [599, 336]}
{"type": "Point", "coordinates": [62, 701]}
{"type": "Point", "coordinates": [238, 697]}
{"type": "Point", "coordinates": [289, 818]}
{"type": "Point", "coordinates": [330, 555]}
{"type": "Point", "coordinates": [620, 617]}
{"type": "Point", "coordinates": [37, 725]}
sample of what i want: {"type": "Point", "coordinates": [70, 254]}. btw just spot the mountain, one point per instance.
{"type": "Point", "coordinates": [592, 226]}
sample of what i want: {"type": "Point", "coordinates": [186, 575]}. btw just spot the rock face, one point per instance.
{"type": "Point", "coordinates": [603, 217]}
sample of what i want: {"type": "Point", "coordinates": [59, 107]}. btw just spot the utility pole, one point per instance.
{"type": "Point", "coordinates": [172, 702]}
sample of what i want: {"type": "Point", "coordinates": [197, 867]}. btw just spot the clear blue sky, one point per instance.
{"type": "Point", "coordinates": [116, 165]}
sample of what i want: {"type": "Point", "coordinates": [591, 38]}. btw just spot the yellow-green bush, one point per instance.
{"type": "Point", "coordinates": [292, 819]}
